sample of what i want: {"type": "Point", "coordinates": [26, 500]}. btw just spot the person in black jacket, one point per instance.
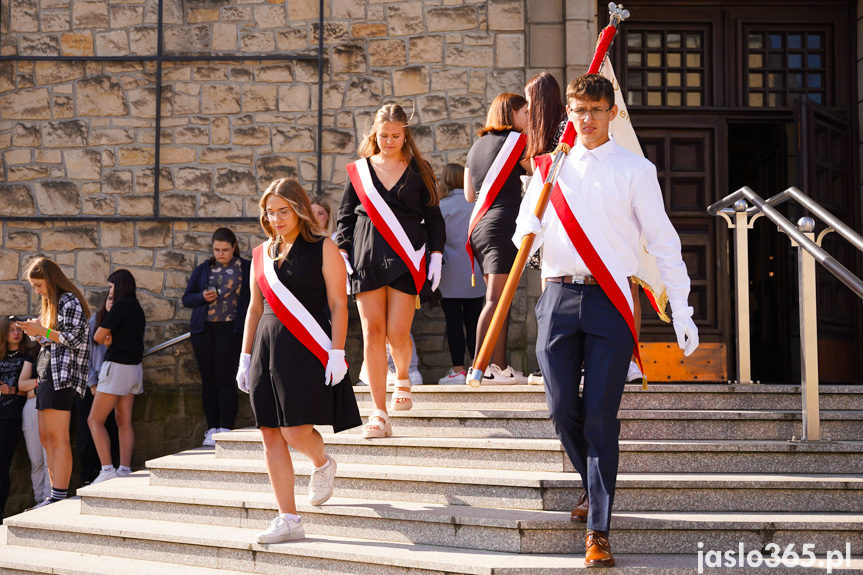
{"type": "Point", "coordinates": [218, 293]}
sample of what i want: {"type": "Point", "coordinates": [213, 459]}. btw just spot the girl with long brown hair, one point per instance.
{"type": "Point", "coordinates": [293, 359]}
{"type": "Point", "coordinates": [546, 115]}
{"type": "Point", "coordinates": [493, 220]}
{"type": "Point", "coordinates": [63, 331]}
{"type": "Point", "coordinates": [388, 221]}
{"type": "Point", "coordinates": [121, 377]}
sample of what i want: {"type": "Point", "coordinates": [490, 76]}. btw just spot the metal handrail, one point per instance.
{"type": "Point", "coordinates": [167, 344]}
{"type": "Point", "coordinates": [736, 212]}
{"type": "Point", "coordinates": [794, 193]}
{"type": "Point", "coordinates": [721, 208]}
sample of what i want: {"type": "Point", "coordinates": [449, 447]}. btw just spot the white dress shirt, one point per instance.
{"type": "Point", "coordinates": [620, 189]}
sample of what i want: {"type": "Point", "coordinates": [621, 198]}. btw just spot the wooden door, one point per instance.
{"type": "Point", "coordinates": [824, 169]}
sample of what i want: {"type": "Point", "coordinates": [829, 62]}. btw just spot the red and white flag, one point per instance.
{"type": "Point", "coordinates": [386, 222]}
{"type": "Point", "coordinates": [290, 311]}
{"type": "Point", "coordinates": [506, 159]}
{"type": "Point", "coordinates": [621, 129]}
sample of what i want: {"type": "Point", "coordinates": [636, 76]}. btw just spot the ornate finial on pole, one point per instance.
{"type": "Point", "coordinates": [618, 13]}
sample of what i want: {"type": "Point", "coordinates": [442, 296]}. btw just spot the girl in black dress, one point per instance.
{"type": "Point", "coordinates": [491, 239]}
{"type": "Point", "coordinates": [385, 290]}
{"type": "Point", "coordinates": [291, 390]}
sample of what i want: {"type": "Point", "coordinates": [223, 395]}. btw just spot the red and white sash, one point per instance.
{"type": "Point", "coordinates": [499, 171]}
{"type": "Point", "coordinates": [593, 247]}
{"type": "Point", "coordinates": [290, 311]}
{"type": "Point", "coordinates": [386, 222]}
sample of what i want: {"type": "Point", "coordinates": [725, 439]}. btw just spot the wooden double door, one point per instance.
{"type": "Point", "coordinates": [724, 95]}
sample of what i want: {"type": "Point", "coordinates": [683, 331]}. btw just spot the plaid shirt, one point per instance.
{"type": "Point", "coordinates": [70, 358]}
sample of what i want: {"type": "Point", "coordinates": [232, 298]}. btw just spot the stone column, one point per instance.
{"type": "Point", "coordinates": [546, 32]}
{"type": "Point", "coordinates": [581, 33]}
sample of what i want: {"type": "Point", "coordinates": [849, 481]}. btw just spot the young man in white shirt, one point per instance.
{"type": "Point", "coordinates": [606, 197]}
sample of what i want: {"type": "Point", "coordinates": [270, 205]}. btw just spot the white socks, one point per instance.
{"type": "Point", "coordinates": [290, 517]}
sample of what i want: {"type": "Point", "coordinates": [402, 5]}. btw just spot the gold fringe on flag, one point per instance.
{"type": "Point", "coordinates": [661, 299]}
{"type": "Point", "coordinates": [418, 302]}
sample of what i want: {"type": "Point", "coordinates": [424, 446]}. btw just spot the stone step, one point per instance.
{"type": "Point", "coordinates": [15, 560]}
{"type": "Point", "coordinates": [658, 396]}
{"type": "Point", "coordinates": [644, 456]}
{"type": "Point", "coordinates": [528, 490]}
{"type": "Point", "coordinates": [635, 424]}
{"type": "Point", "coordinates": [213, 546]}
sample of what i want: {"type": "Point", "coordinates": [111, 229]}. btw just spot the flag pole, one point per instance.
{"type": "Point", "coordinates": [606, 38]}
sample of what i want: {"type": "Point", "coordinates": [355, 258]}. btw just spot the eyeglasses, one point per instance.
{"type": "Point", "coordinates": [281, 214]}
{"type": "Point", "coordinates": [595, 113]}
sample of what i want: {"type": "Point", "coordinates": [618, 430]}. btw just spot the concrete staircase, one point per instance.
{"type": "Point", "coordinates": [476, 483]}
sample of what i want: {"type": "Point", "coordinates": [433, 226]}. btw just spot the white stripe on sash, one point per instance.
{"type": "Point", "coordinates": [292, 304]}
{"type": "Point", "coordinates": [390, 219]}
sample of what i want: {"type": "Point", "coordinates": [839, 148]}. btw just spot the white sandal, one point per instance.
{"type": "Point", "coordinates": [378, 429]}
{"type": "Point", "coordinates": [404, 394]}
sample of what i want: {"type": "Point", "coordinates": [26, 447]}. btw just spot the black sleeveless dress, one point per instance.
{"type": "Point", "coordinates": [491, 240]}
{"type": "Point", "coordinates": [286, 380]}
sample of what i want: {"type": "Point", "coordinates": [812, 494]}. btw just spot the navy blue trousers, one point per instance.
{"type": "Point", "coordinates": [578, 325]}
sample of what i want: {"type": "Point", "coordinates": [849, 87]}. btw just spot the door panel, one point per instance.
{"type": "Point", "coordinates": [825, 170]}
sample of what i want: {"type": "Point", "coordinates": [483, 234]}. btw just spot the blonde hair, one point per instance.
{"type": "Point", "coordinates": [292, 192]}
{"type": "Point", "coordinates": [56, 284]}
{"type": "Point", "coordinates": [369, 146]}
{"type": "Point", "coordinates": [325, 203]}
{"type": "Point", "coordinates": [451, 179]}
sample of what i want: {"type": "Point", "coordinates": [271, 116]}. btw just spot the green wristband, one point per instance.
{"type": "Point", "coordinates": [48, 334]}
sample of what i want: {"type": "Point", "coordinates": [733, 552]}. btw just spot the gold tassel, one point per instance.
{"type": "Point", "coordinates": [561, 146]}
{"type": "Point", "coordinates": [472, 280]}
{"type": "Point", "coordinates": [418, 301]}
{"type": "Point", "coordinates": [643, 382]}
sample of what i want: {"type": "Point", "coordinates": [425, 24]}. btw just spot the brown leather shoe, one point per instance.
{"type": "Point", "coordinates": [580, 512]}
{"type": "Point", "coordinates": [597, 550]}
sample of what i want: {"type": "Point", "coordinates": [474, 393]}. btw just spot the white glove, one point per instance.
{"type": "Point", "coordinates": [349, 269]}
{"type": "Point", "coordinates": [435, 266]}
{"type": "Point", "coordinates": [243, 372]}
{"type": "Point", "coordinates": [337, 367]}
{"type": "Point", "coordinates": [533, 226]}
{"type": "Point", "coordinates": [684, 328]}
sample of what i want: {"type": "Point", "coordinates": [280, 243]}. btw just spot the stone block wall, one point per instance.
{"type": "Point", "coordinates": [78, 142]}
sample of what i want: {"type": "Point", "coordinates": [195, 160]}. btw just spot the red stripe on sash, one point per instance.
{"type": "Point", "coordinates": [589, 255]}
{"type": "Point", "coordinates": [281, 310]}
{"type": "Point", "coordinates": [497, 183]}
{"type": "Point", "coordinates": [419, 275]}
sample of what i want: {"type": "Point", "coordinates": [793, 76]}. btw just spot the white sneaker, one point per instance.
{"type": "Point", "coordinates": [105, 476]}
{"type": "Point", "coordinates": [634, 374]}
{"type": "Point", "coordinates": [497, 376]}
{"type": "Point", "coordinates": [535, 378]}
{"type": "Point", "coordinates": [282, 529]}
{"type": "Point", "coordinates": [453, 378]}
{"type": "Point", "coordinates": [416, 378]}
{"type": "Point", "coordinates": [208, 437]}
{"type": "Point", "coordinates": [43, 503]}
{"type": "Point", "coordinates": [123, 472]}
{"type": "Point", "coordinates": [322, 483]}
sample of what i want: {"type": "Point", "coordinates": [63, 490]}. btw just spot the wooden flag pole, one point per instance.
{"type": "Point", "coordinates": [606, 37]}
